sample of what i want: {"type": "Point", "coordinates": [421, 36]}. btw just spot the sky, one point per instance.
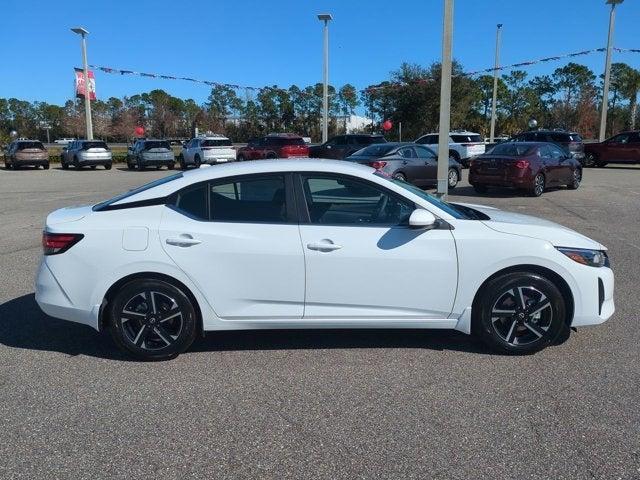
{"type": "Point", "coordinates": [259, 43]}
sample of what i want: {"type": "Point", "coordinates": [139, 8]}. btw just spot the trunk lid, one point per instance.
{"type": "Point", "coordinates": [67, 215]}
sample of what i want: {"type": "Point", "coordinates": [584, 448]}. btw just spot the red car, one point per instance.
{"type": "Point", "coordinates": [530, 166]}
{"type": "Point", "coordinates": [284, 145]}
{"type": "Point", "coordinates": [623, 148]}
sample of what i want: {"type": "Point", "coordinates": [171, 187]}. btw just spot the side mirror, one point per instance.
{"type": "Point", "coordinates": [421, 218]}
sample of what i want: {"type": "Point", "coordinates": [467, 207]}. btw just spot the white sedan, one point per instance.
{"type": "Point", "coordinates": [313, 244]}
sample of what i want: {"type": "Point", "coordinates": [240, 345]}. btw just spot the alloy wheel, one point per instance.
{"type": "Point", "coordinates": [590, 160]}
{"type": "Point", "coordinates": [538, 185]}
{"type": "Point", "coordinates": [521, 315]}
{"type": "Point", "coordinates": [452, 178]}
{"type": "Point", "coordinates": [151, 320]}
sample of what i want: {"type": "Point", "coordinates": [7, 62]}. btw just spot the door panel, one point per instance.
{"type": "Point", "coordinates": [246, 269]}
{"type": "Point", "coordinates": [362, 261]}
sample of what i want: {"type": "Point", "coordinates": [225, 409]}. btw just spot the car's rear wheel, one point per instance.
{"type": "Point", "coordinates": [519, 313]}
{"type": "Point", "coordinates": [538, 185]}
{"type": "Point", "coordinates": [183, 165]}
{"type": "Point", "coordinates": [8, 165]}
{"type": "Point", "coordinates": [453, 178]}
{"type": "Point", "coordinates": [197, 161]}
{"type": "Point", "coordinates": [93, 167]}
{"type": "Point", "coordinates": [107, 166]}
{"type": "Point", "coordinates": [480, 188]}
{"type": "Point", "coordinates": [171, 166]}
{"type": "Point", "coordinates": [152, 319]}
{"type": "Point", "coordinates": [271, 155]}
{"type": "Point", "coordinates": [241, 158]}
{"type": "Point", "coordinates": [45, 166]}
{"type": "Point", "coordinates": [576, 178]}
{"type": "Point", "coordinates": [399, 176]}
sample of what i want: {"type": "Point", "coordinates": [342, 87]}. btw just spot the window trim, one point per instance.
{"type": "Point", "coordinates": [301, 203]}
{"type": "Point", "coordinates": [290, 206]}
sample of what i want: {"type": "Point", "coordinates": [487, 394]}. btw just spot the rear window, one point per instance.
{"type": "Point", "coordinates": [156, 144]}
{"type": "Point", "coordinates": [377, 150]}
{"type": "Point", "coordinates": [366, 140]}
{"type": "Point", "coordinates": [222, 142]}
{"type": "Point", "coordinates": [282, 141]}
{"type": "Point", "coordinates": [88, 145]}
{"type": "Point", "coordinates": [559, 137]}
{"type": "Point", "coordinates": [574, 137]}
{"type": "Point", "coordinates": [146, 186]}
{"type": "Point", "coordinates": [511, 149]}
{"type": "Point", "coordinates": [24, 145]}
{"type": "Point", "coordinates": [466, 138]}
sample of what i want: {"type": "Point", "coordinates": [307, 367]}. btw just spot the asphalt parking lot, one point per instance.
{"type": "Point", "coordinates": [328, 404]}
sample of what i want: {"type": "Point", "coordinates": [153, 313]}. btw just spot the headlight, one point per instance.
{"type": "Point", "coordinates": [592, 258]}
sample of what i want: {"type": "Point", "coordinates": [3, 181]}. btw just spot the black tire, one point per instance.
{"type": "Point", "coordinates": [480, 188]}
{"type": "Point", "coordinates": [93, 167]}
{"type": "Point", "coordinates": [241, 158]}
{"type": "Point", "coordinates": [196, 161]}
{"type": "Point", "coordinates": [519, 313]}
{"type": "Point", "coordinates": [453, 178]}
{"type": "Point", "coordinates": [140, 165]}
{"type": "Point", "coordinates": [143, 333]}
{"type": "Point", "coordinates": [590, 160]}
{"type": "Point", "coordinates": [8, 165]}
{"type": "Point", "coordinates": [271, 155]}
{"type": "Point", "coordinates": [76, 163]}
{"type": "Point", "coordinates": [171, 166]}
{"type": "Point", "coordinates": [45, 166]}
{"type": "Point", "coordinates": [538, 185]}
{"type": "Point", "coordinates": [576, 178]}
{"type": "Point", "coordinates": [183, 166]}
{"type": "Point", "coordinates": [65, 166]}
{"type": "Point", "coordinates": [107, 166]}
{"type": "Point", "coordinates": [399, 176]}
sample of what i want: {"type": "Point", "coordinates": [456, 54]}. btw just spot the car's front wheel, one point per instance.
{"type": "Point", "coordinates": [152, 319]}
{"type": "Point", "coordinates": [399, 176]}
{"type": "Point", "coordinates": [576, 178]}
{"type": "Point", "coordinates": [453, 178]}
{"type": "Point", "coordinates": [538, 185]}
{"type": "Point", "coordinates": [519, 313]}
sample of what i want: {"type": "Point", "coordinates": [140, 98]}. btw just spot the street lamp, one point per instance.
{"type": "Point", "coordinates": [87, 100]}
{"type": "Point", "coordinates": [495, 85]}
{"type": "Point", "coordinates": [607, 70]}
{"type": "Point", "coordinates": [326, 18]}
{"type": "Point", "coordinates": [445, 100]}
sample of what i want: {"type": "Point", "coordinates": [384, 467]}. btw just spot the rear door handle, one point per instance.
{"type": "Point", "coordinates": [324, 246]}
{"type": "Point", "coordinates": [184, 240]}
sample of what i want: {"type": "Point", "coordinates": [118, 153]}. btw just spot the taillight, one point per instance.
{"type": "Point", "coordinates": [55, 243]}
{"type": "Point", "coordinates": [522, 164]}
{"type": "Point", "coordinates": [378, 165]}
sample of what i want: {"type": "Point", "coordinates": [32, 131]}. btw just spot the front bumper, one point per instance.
{"type": "Point", "coordinates": [594, 304]}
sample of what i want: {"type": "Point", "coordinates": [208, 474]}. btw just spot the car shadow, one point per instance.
{"type": "Point", "coordinates": [23, 325]}
{"type": "Point", "coordinates": [495, 192]}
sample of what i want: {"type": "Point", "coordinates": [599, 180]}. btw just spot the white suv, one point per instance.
{"type": "Point", "coordinates": [462, 145]}
{"type": "Point", "coordinates": [210, 149]}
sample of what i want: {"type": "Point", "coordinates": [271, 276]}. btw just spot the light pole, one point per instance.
{"type": "Point", "coordinates": [326, 18]}
{"type": "Point", "coordinates": [87, 100]}
{"type": "Point", "coordinates": [607, 70]}
{"type": "Point", "coordinates": [495, 85]}
{"type": "Point", "coordinates": [445, 100]}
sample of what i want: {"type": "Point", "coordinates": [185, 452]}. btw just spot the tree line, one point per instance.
{"type": "Point", "coordinates": [569, 98]}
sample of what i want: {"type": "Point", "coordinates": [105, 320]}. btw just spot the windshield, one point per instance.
{"type": "Point", "coordinates": [450, 208]}
{"type": "Point", "coordinates": [511, 149]}
{"type": "Point", "coordinates": [156, 144]}
{"type": "Point", "coordinates": [146, 186]}
{"type": "Point", "coordinates": [376, 150]}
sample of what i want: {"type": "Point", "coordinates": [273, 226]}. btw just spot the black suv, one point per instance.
{"type": "Point", "coordinates": [570, 141]}
{"type": "Point", "coordinates": [342, 146]}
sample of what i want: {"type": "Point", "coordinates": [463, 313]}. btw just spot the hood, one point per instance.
{"type": "Point", "coordinates": [66, 215]}
{"type": "Point", "coordinates": [534, 227]}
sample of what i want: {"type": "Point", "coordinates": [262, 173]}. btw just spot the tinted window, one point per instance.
{"type": "Point", "coordinates": [622, 138]}
{"type": "Point", "coordinates": [424, 152]}
{"type": "Point", "coordinates": [635, 138]}
{"type": "Point", "coordinates": [222, 142]}
{"type": "Point", "coordinates": [559, 137]}
{"type": "Point", "coordinates": [282, 141]}
{"type": "Point", "coordinates": [23, 145]}
{"type": "Point", "coordinates": [511, 149]}
{"type": "Point", "coordinates": [194, 202]}
{"type": "Point", "coordinates": [88, 145]}
{"type": "Point", "coordinates": [556, 152]}
{"type": "Point", "coordinates": [147, 186]}
{"type": "Point", "coordinates": [374, 150]}
{"type": "Point", "coordinates": [406, 152]}
{"type": "Point", "coordinates": [156, 144]}
{"type": "Point", "coordinates": [466, 138]}
{"type": "Point", "coordinates": [257, 199]}
{"type": "Point", "coordinates": [345, 201]}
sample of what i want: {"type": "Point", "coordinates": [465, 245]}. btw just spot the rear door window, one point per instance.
{"type": "Point", "coordinates": [256, 199]}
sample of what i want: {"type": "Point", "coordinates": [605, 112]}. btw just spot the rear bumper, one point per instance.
{"type": "Point", "coordinates": [29, 161]}
{"type": "Point", "coordinates": [219, 159]}
{"type": "Point", "coordinates": [156, 162]}
{"type": "Point", "coordinates": [102, 160]}
{"type": "Point", "coordinates": [500, 180]}
{"type": "Point", "coordinates": [54, 301]}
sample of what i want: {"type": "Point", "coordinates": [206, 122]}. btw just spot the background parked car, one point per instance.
{"type": "Point", "coordinates": [150, 153]}
{"type": "Point", "coordinates": [281, 145]}
{"type": "Point", "coordinates": [623, 148]}
{"type": "Point", "coordinates": [410, 162]}
{"type": "Point", "coordinates": [342, 146]}
{"type": "Point", "coordinates": [64, 141]}
{"type": "Point", "coordinates": [86, 153]}
{"type": "Point", "coordinates": [210, 150]}
{"type": "Point", "coordinates": [570, 141]}
{"type": "Point", "coordinates": [531, 166]}
{"type": "Point", "coordinates": [462, 145]}
{"type": "Point", "coordinates": [26, 152]}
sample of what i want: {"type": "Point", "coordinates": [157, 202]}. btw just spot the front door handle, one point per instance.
{"type": "Point", "coordinates": [323, 246]}
{"type": "Point", "coordinates": [184, 240]}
